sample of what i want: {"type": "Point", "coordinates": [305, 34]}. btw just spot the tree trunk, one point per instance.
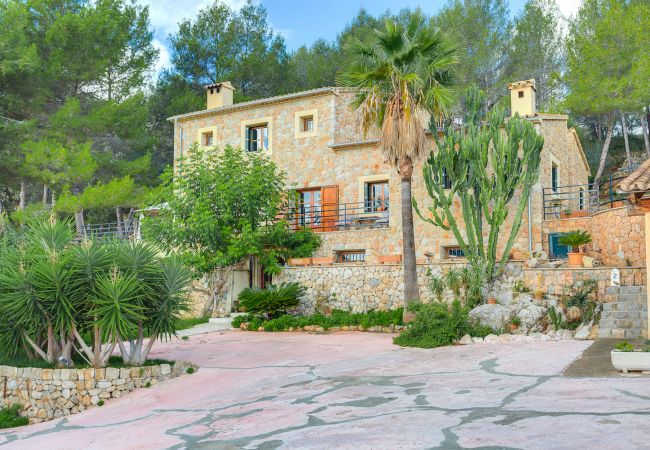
{"type": "Point", "coordinates": [23, 194]}
{"type": "Point", "coordinates": [628, 154]}
{"type": "Point", "coordinates": [603, 153]}
{"type": "Point", "coordinates": [45, 194]}
{"type": "Point", "coordinates": [646, 139]}
{"type": "Point", "coordinates": [120, 221]}
{"type": "Point", "coordinates": [411, 289]}
{"type": "Point", "coordinates": [79, 215]}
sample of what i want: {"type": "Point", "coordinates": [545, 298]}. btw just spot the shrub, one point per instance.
{"type": "Point", "coordinates": [624, 347]}
{"type": "Point", "coordinates": [10, 417]}
{"type": "Point", "coordinates": [439, 324]}
{"type": "Point", "coordinates": [575, 239]}
{"type": "Point", "coordinates": [272, 299]}
{"type": "Point", "coordinates": [581, 293]}
{"type": "Point", "coordinates": [338, 318]}
{"type": "Point", "coordinates": [436, 286]}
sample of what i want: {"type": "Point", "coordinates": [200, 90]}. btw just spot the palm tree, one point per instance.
{"type": "Point", "coordinates": [402, 73]}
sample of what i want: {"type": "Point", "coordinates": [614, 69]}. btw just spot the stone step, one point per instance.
{"type": "Point", "coordinates": [618, 333]}
{"type": "Point", "coordinates": [624, 315]}
{"type": "Point", "coordinates": [615, 290]}
{"type": "Point", "coordinates": [621, 323]}
{"type": "Point", "coordinates": [631, 307]}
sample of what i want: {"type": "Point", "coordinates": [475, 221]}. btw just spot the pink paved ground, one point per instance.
{"type": "Point", "coordinates": [357, 390]}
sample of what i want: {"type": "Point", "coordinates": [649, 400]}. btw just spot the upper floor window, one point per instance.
{"type": "Point", "coordinates": [207, 139]}
{"type": "Point", "coordinates": [376, 196]}
{"type": "Point", "coordinates": [307, 124]}
{"type": "Point", "coordinates": [555, 178]}
{"type": "Point", "coordinates": [257, 138]}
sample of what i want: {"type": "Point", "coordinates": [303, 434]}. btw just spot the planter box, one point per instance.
{"type": "Point", "coordinates": [322, 261]}
{"type": "Point", "coordinates": [389, 259]}
{"type": "Point", "coordinates": [625, 361]}
{"type": "Point", "coordinates": [299, 261]}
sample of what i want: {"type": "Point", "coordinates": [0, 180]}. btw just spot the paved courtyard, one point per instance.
{"type": "Point", "coordinates": [358, 391]}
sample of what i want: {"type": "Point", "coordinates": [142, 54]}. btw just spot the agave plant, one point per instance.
{"type": "Point", "coordinates": [454, 281]}
{"type": "Point", "coordinates": [436, 286]}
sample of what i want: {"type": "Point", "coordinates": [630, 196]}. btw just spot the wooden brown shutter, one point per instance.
{"type": "Point", "coordinates": [330, 201]}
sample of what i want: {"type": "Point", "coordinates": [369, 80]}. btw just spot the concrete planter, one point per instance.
{"type": "Point", "coordinates": [625, 361]}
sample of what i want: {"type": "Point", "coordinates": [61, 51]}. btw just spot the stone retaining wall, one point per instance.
{"type": "Point", "coordinates": [50, 393]}
{"type": "Point", "coordinates": [364, 287]}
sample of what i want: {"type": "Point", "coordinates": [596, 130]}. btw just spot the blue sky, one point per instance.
{"type": "Point", "coordinates": [300, 22]}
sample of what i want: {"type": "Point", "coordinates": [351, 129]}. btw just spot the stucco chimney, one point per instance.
{"type": "Point", "coordinates": [219, 94]}
{"type": "Point", "coordinates": [522, 98]}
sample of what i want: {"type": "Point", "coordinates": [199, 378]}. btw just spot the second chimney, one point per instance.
{"type": "Point", "coordinates": [219, 94]}
{"type": "Point", "coordinates": [522, 98]}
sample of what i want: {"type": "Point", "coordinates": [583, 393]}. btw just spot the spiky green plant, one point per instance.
{"type": "Point", "coordinates": [575, 239]}
{"type": "Point", "coordinates": [454, 281]}
{"type": "Point", "coordinates": [275, 298]}
{"type": "Point", "coordinates": [437, 286]}
{"type": "Point", "coordinates": [490, 163]}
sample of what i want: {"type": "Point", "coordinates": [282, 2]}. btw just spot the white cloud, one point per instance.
{"type": "Point", "coordinates": [569, 7]}
{"type": "Point", "coordinates": [163, 56]}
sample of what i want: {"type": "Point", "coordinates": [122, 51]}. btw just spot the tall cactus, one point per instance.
{"type": "Point", "coordinates": [487, 162]}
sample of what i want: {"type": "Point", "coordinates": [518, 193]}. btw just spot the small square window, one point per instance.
{"type": "Point", "coordinates": [307, 124]}
{"type": "Point", "coordinates": [257, 138]}
{"type": "Point", "coordinates": [376, 196]}
{"type": "Point", "coordinates": [453, 252]}
{"type": "Point", "coordinates": [350, 256]}
{"type": "Point", "coordinates": [207, 139]}
{"type": "Point", "coordinates": [521, 94]}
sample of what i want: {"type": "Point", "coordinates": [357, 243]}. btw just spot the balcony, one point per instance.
{"type": "Point", "coordinates": [340, 217]}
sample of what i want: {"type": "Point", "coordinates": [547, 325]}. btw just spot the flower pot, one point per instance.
{"type": "Point", "coordinates": [575, 259]}
{"type": "Point", "coordinates": [636, 360]}
{"type": "Point", "coordinates": [492, 301]}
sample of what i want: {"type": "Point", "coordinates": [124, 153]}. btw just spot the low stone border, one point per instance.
{"type": "Point", "coordinates": [50, 393]}
{"type": "Point", "coordinates": [559, 335]}
{"type": "Point", "coordinates": [314, 328]}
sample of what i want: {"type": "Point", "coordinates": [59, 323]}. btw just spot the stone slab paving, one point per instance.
{"type": "Point", "coordinates": [358, 391]}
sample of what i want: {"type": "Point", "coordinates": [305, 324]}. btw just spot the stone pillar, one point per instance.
{"type": "Point", "coordinates": [646, 332]}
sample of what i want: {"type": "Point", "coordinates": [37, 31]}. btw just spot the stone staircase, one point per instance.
{"type": "Point", "coordinates": [627, 315]}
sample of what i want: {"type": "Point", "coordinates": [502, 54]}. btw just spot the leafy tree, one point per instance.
{"type": "Point", "coordinates": [223, 208]}
{"type": "Point", "coordinates": [490, 163]}
{"type": "Point", "coordinates": [406, 69]}
{"type": "Point", "coordinates": [601, 55]}
{"type": "Point", "coordinates": [485, 30]}
{"type": "Point", "coordinates": [537, 50]}
{"type": "Point", "coordinates": [221, 44]}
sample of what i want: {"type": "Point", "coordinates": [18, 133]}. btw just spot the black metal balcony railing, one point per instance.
{"type": "Point", "coordinates": [338, 217]}
{"type": "Point", "coordinates": [566, 201]}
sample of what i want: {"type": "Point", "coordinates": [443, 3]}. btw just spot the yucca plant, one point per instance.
{"type": "Point", "coordinates": [454, 281]}
{"type": "Point", "coordinates": [437, 287]}
{"type": "Point", "coordinates": [275, 298]}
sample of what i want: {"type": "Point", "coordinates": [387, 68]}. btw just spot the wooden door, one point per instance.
{"type": "Point", "coordinates": [330, 202]}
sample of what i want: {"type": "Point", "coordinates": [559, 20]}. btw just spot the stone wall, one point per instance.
{"type": "Point", "coordinates": [618, 238]}
{"type": "Point", "coordinates": [50, 393]}
{"type": "Point", "coordinates": [363, 287]}
{"type": "Point", "coordinates": [555, 281]}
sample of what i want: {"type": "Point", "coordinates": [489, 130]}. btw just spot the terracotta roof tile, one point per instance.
{"type": "Point", "coordinates": [637, 181]}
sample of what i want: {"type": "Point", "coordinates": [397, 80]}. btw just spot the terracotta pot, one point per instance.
{"type": "Point", "coordinates": [492, 301]}
{"type": "Point", "coordinates": [575, 259]}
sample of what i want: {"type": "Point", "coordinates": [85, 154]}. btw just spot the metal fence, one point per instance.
{"type": "Point", "coordinates": [342, 216]}
{"type": "Point", "coordinates": [107, 231]}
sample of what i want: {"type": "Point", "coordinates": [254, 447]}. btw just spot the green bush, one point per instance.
{"type": "Point", "coordinates": [575, 239]}
{"type": "Point", "coordinates": [10, 417]}
{"type": "Point", "coordinates": [338, 318]}
{"type": "Point", "coordinates": [272, 299]}
{"type": "Point", "coordinates": [439, 324]}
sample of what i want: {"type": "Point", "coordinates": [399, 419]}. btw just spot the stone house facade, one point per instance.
{"type": "Point", "coordinates": [349, 193]}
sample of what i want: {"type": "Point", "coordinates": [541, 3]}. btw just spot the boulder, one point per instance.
{"type": "Point", "coordinates": [530, 316]}
{"type": "Point", "coordinates": [465, 340]}
{"type": "Point", "coordinates": [477, 340]}
{"type": "Point", "coordinates": [583, 331]}
{"type": "Point", "coordinates": [532, 263]}
{"type": "Point", "coordinates": [491, 338]}
{"type": "Point", "coordinates": [573, 314]}
{"type": "Point", "coordinates": [504, 297]}
{"type": "Point", "coordinates": [493, 316]}
{"type": "Point", "coordinates": [593, 335]}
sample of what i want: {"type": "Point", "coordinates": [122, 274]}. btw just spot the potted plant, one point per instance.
{"type": "Point", "coordinates": [514, 323]}
{"type": "Point", "coordinates": [575, 239]}
{"type": "Point", "coordinates": [625, 357]}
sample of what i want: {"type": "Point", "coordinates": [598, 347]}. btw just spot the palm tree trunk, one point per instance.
{"type": "Point", "coordinates": [411, 290]}
{"type": "Point", "coordinates": [23, 194]}
{"type": "Point", "coordinates": [603, 153]}
{"type": "Point", "coordinates": [628, 154]}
